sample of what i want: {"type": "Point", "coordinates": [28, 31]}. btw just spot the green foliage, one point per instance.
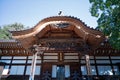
{"type": "Point", "coordinates": [5, 30]}
{"type": "Point", "coordinates": [108, 14]}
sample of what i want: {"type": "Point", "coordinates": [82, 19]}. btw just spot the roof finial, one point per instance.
{"type": "Point", "coordinates": [60, 12]}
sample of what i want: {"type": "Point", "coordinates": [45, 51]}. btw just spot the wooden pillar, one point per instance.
{"type": "Point", "coordinates": [87, 59]}
{"type": "Point", "coordinates": [33, 66]}
{"type": "Point", "coordinates": [1, 70]}
{"type": "Point", "coordinates": [42, 56]}
{"type": "Point", "coordinates": [39, 50]}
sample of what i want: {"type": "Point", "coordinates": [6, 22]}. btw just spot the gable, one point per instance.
{"type": "Point", "coordinates": [59, 27]}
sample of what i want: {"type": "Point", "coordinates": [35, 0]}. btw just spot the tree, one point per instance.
{"type": "Point", "coordinates": [5, 30]}
{"type": "Point", "coordinates": [108, 14]}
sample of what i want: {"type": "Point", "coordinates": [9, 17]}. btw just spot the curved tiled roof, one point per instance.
{"type": "Point", "coordinates": [28, 37]}
{"type": "Point", "coordinates": [47, 20]}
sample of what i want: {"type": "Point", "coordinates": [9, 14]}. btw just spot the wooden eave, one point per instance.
{"type": "Point", "coordinates": [28, 37]}
{"type": "Point", "coordinates": [16, 49]}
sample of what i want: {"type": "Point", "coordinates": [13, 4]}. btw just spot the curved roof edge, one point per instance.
{"type": "Point", "coordinates": [28, 37]}
{"type": "Point", "coordinates": [49, 20]}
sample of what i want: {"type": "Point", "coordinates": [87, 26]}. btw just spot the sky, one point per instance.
{"type": "Point", "coordinates": [30, 12]}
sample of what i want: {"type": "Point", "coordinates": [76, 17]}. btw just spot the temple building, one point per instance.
{"type": "Point", "coordinates": [59, 48]}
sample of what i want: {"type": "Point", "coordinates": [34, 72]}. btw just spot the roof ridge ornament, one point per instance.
{"type": "Point", "coordinates": [60, 13]}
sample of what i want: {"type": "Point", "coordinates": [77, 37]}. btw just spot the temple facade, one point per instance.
{"type": "Point", "coordinates": [59, 48]}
